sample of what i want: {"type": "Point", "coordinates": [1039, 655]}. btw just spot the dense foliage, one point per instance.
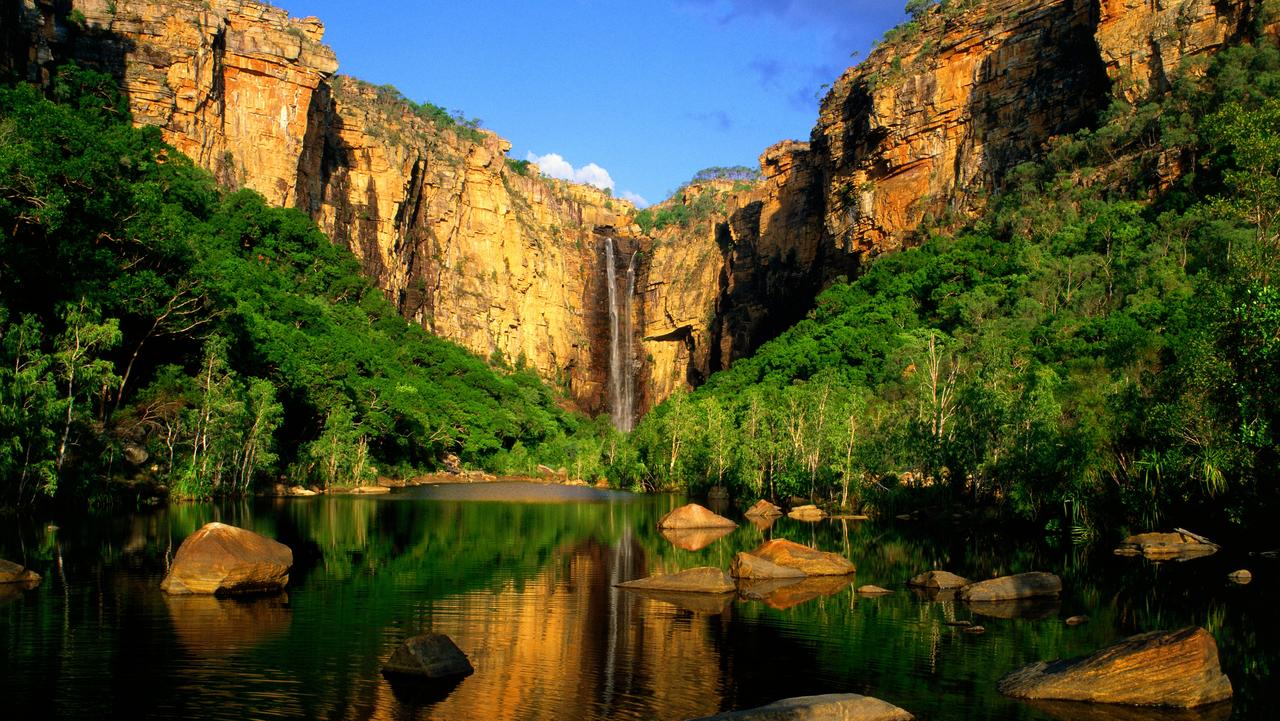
{"type": "Point", "coordinates": [153, 327]}
{"type": "Point", "coordinates": [1100, 347]}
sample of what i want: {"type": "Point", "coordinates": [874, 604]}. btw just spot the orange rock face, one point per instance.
{"type": "Point", "coordinates": [1176, 668]}
{"type": "Point", "coordinates": [222, 559]}
{"type": "Point", "coordinates": [812, 561]}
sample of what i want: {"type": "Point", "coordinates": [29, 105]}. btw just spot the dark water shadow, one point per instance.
{"type": "Point", "coordinates": [1081, 711]}
{"type": "Point", "coordinates": [210, 626]}
{"type": "Point", "coordinates": [420, 692]}
{"type": "Point", "coordinates": [1024, 608]}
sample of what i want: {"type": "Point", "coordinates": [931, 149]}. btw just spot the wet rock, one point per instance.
{"type": "Point", "coordinates": [746, 565]}
{"type": "Point", "coordinates": [1076, 620]}
{"type": "Point", "coordinates": [1007, 588]}
{"type": "Point", "coordinates": [1179, 545]}
{"type": "Point", "coordinates": [13, 573]}
{"type": "Point", "coordinates": [694, 539]}
{"type": "Point", "coordinates": [694, 580]}
{"type": "Point", "coordinates": [827, 707]}
{"type": "Point", "coordinates": [942, 580]}
{"type": "Point", "coordinates": [1161, 668]}
{"type": "Point", "coordinates": [975, 630]}
{"type": "Point", "coordinates": [813, 562]}
{"type": "Point", "coordinates": [223, 559]}
{"type": "Point", "coordinates": [1241, 577]}
{"type": "Point", "coordinates": [960, 623]}
{"type": "Point", "coordinates": [808, 512]}
{"type": "Point", "coordinates": [870, 590]}
{"type": "Point", "coordinates": [694, 516]}
{"type": "Point", "coordinates": [763, 509]}
{"type": "Point", "coordinates": [429, 655]}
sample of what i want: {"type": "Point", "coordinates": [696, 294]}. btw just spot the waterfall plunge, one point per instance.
{"type": "Point", "coordinates": [621, 342]}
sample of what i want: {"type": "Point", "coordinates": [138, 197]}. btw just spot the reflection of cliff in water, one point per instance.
{"type": "Point", "coordinates": [568, 644]}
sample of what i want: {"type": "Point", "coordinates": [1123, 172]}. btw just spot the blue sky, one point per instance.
{"type": "Point", "coordinates": [639, 94]}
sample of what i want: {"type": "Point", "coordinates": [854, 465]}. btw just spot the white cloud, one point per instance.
{"type": "Point", "coordinates": [636, 198]}
{"type": "Point", "coordinates": [555, 166]}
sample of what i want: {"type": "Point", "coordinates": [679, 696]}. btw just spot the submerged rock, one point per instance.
{"type": "Point", "coordinates": [1179, 545]}
{"type": "Point", "coordinates": [827, 707]}
{"type": "Point", "coordinates": [694, 580]}
{"type": "Point", "coordinates": [789, 594]}
{"type": "Point", "coordinates": [224, 559]}
{"type": "Point", "coordinates": [746, 565]}
{"type": "Point", "coordinates": [429, 655]}
{"type": "Point", "coordinates": [870, 590]}
{"type": "Point", "coordinates": [694, 516]}
{"type": "Point", "coordinates": [13, 573]}
{"type": "Point", "coordinates": [1035, 608]}
{"type": "Point", "coordinates": [763, 509]}
{"type": "Point", "coordinates": [1241, 577]}
{"type": "Point", "coordinates": [812, 561]}
{"type": "Point", "coordinates": [1007, 588]}
{"type": "Point", "coordinates": [1076, 620]}
{"type": "Point", "coordinates": [941, 580]}
{"type": "Point", "coordinates": [1161, 668]}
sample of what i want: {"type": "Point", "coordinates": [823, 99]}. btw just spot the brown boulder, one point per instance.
{"type": "Point", "coordinates": [828, 707]}
{"type": "Point", "coordinates": [694, 516]}
{"type": "Point", "coordinates": [694, 580]}
{"type": "Point", "coordinates": [1178, 545]}
{"type": "Point", "coordinates": [763, 509]}
{"type": "Point", "coordinates": [1008, 588]}
{"type": "Point", "coordinates": [13, 573]}
{"type": "Point", "coordinates": [694, 539]}
{"type": "Point", "coordinates": [1161, 668]}
{"type": "Point", "coordinates": [430, 655]}
{"type": "Point", "coordinates": [224, 559]}
{"type": "Point", "coordinates": [745, 565]}
{"type": "Point", "coordinates": [942, 580]}
{"type": "Point", "coordinates": [813, 562]}
{"type": "Point", "coordinates": [870, 590]}
{"type": "Point", "coordinates": [808, 512]}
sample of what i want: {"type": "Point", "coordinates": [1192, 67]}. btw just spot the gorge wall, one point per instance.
{"type": "Point", "coordinates": [512, 265]}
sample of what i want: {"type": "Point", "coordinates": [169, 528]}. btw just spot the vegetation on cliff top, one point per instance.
{"type": "Point", "coordinates": [1100, 348]}
{"type": "Point", "coordinates": [154, 327]}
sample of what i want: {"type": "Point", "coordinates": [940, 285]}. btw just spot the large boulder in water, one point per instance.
{"type": "Point", "coordinates": [694, 516]}
{"type": "Point", "coordinates": [13, 573]}
{"type": "Point", "coordinates": [807, 512]}
{"type": "Point", "coordinates": [812, 561]}
{"type": "Point", "coordinates": [1179, 545]}
{"type": "Point", "coordinates": [1161, 668]}
{"type": "Point", "coordinates": [828, 707]}
{"type": "Point", "coordinates": [227, 560]}
{"type": "Point", "coordinates": [694, 580]}
{"type": "Point", "coordinates": [745, 565]}
{"type": "Point", "coordinates": [1007, 588]}
{"type": "Point", "coordinates": [430, 655]}
{"type": "Point", "coordinates": [763, 509]}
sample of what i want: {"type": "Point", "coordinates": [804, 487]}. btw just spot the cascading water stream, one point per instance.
{"type": "Point", "coordinates": [621, 341]}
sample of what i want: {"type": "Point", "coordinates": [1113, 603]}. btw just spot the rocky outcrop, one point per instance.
{"type": "Point", "coordinates": [221, 559]}
{"type": "Point", "coordinates": [429, 655]}
{"type": "Point", "coordinates": [1161, 668]}
{"type": "Point", "coordinates": [1034, 584]}
{"type": "Point", "coordinates": [809, 560]}
{"type": "Point", "coordinates": [1159, 546]}
{"type": "Point", "coordinates": [11, 572]}
{"type": "Point", "coordinates": [511, 265]}
{"type": "Point", "coordinates": [692, 515]}
{"type": "Point", "coordinates": [763, 509]}
{"type": "Point", "coordinates": [942, 580]}
{"type": "Point", "coordinates": [828, 707]}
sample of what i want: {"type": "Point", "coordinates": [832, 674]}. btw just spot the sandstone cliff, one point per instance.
{"type": "Point", "coordinates": [512, 265]}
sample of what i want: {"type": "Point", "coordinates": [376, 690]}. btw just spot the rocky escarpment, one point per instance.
{"type": "Point", "coordinates": [487, 253]}
{"type": "Point", "coordinates": [479, 250]}
{"type": "Point", "coordinates": [926, 128]}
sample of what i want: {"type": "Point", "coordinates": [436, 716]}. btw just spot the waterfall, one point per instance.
{"type": "Point", "coordinates": [621, 341]}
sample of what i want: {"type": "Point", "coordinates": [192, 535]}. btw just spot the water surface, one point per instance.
{"type": "Point", "coordinates": [522, 578]}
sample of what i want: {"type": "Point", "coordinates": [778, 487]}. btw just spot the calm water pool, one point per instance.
{"type": "Point", "coordinates": [523, 582]}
